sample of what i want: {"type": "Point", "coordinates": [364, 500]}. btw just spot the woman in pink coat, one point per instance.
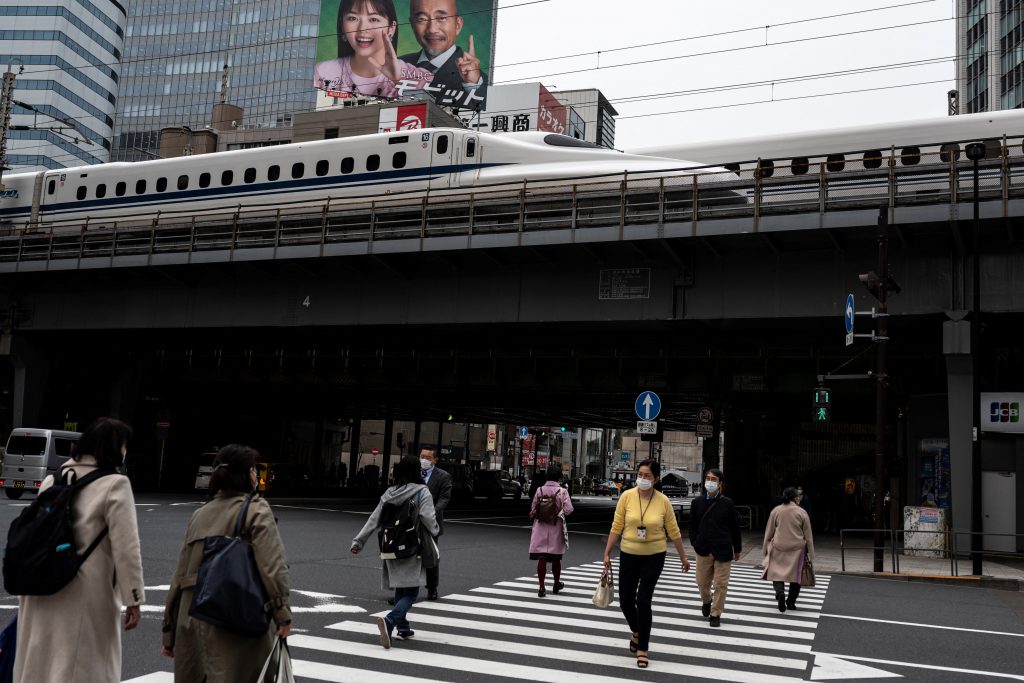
{"type": "Point", "coordinates": [788, 543]}
{"type": "Point", "coordinates": [550, 537]}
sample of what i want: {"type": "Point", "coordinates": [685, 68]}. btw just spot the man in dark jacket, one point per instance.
{"type": "Point", "coordinates": [715, 537]}
{"type": "Point", "coordinates": [439, 483]}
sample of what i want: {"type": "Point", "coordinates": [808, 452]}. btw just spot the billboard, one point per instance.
{"type": "Point", "coordinates": [406, 117]}
{"type": "Point", "coordinates": [407, 49]}
{"type": "Point", "coordinates": [523, 107]}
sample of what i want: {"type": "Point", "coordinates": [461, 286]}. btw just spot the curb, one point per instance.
{"type": "Point", "coordinates": [971, 581]}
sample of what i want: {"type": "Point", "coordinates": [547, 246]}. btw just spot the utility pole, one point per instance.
{"type": "Point", "coordinates": [881, 381]}
{"type": "Point", "coordinates": [6, 104]}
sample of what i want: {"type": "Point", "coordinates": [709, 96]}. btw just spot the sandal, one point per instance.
{"type": "Point", "coordinates": [641, 661]}
{"type": "Point", "coordinates": [633, 643]}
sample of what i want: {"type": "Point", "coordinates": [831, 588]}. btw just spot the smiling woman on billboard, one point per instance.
{"type": "Point", "coordinates": [451, 41]}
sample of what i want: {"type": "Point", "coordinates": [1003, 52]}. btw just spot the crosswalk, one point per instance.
{"type": "Point", "coordinates": [504, 631]}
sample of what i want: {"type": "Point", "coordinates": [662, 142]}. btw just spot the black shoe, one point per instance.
{"type": "Point", "coordinates": [432, 595]}
{"type": "Point", "coordinates": [558, 586]}
{"type": "Point", "coordinates": [781, 600]}
{"type": "Point", "coordinates": [541, 593]}
{"type": "Point", "coordinates": [404, 635]}
{"type": "Point", "coordinates": [716, 621]}
{"type": "Point", "coordinates": [705, 609]}
{"type": "Point", "coordinates": [791, 604]}
{"type": "Point", "coordinates": [391, 601]}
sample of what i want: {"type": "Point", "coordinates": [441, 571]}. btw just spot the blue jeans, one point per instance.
{"type": "Point", "coordinates": [404, 598]}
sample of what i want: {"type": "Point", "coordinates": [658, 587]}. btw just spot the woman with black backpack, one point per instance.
{"type": "Point", "coordinates": [549, 536]}
{"type": "Point", "coordinates": [406, 525]}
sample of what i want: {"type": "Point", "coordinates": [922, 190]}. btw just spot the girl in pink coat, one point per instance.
{"type": "Point", "coordinates": [550, 537]}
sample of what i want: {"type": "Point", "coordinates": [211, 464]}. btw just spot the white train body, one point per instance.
{"type": "Point", "coordinates": [409, 164]}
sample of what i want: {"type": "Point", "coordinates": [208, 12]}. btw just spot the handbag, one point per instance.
{"type": "Point", "coordinates": [229, 592]}
{"type": "Point", "coordinates": [807, 573]}
{"type": "Point", "coordinates": [284, 664]}
{"type": "Point", "coordinates": [605, 591]}
{"type": "Point", "coordinates": [8, 645]}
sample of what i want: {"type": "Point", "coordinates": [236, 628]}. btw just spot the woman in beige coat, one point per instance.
{"type": "Point", "coordinates": [74, 636]}
{"type": "Point", "coordinates": [203, 651]}
{"type": "Point", "coordinates": [788, 542]}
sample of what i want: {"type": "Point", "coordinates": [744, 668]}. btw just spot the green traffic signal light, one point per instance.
{"type": "Point", "coordinates": [561, 429]}
{"type": "Point", "coordinates": [822, 414]}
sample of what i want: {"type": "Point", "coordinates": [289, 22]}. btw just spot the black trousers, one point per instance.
{"type": "Point", "coordinates": [638, 575]}
{"type": "Point", "coordinates": [434, 573]}
{"type": "Point", "coordinates": [780, 590]}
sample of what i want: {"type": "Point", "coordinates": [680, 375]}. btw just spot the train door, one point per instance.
{"type": "Point", "coordinates": [441, 160]}
{"type": "Point", "coordinates": [470, 168]}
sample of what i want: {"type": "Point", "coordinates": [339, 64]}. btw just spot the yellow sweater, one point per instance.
{"type": "Point", "coordinates": [659, 518]}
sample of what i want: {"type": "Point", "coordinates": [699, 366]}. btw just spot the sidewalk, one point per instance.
{"type": "Point", "coordinates": [860, 561]}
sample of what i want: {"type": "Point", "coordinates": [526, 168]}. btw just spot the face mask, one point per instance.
{"type": "Point", "coordinates": [426, 464]}
{"type": "Point", "coordinates": [644, 484]}
{"type": "Point", "coordinates": [711, 487]}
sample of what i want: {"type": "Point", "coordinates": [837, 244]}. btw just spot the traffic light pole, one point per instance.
{"type": "Point", "coordinates": [882, 339]}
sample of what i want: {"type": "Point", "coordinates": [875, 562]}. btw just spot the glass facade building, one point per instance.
{"type": "Point", "coordinates": [66, 56]}
{"type": "Point", "coordinates": [595, 116]}
{"type": "Point", "coordinates": [179, 55]}
{"type": "Point", "coordinates": [990, 54]}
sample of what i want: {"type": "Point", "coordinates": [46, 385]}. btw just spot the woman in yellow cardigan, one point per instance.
{"type": "Point", "coordinates": [644, 519]}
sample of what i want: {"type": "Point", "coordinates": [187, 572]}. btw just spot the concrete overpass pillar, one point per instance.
{"type": "Point", "coordinates": [31, 368]}
{"type": "Point", "coordinates": [959, 386]}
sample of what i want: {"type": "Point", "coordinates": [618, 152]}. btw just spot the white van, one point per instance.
{"type": "Point", "coordinates": [31, 455]}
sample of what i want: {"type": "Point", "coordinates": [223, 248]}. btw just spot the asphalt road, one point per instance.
{"type": "Point", "coordinates": [491, 626]}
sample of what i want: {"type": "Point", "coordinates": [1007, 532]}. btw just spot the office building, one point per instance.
{"type": "Point", "coordinates": [990, 55]}
{"type": "Point", "coordinates": [66, 56]}
{"type": "Point", "coordinates": [183, 57]}
{"type": "Point", "coordinates": [591, 116]}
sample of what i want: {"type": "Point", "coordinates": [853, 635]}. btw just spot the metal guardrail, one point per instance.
{"type": "Point", "coordinates": [622, 203]}
{"type": "Point", "coordinates": [894, 541]}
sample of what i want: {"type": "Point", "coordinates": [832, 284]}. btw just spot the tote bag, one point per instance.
{"type": "Point", "coordinates": [283, 674]}
{"type": "Point", "coordinates": [807, 573]}
{"type": "Point", "coordinates": [605, 591]}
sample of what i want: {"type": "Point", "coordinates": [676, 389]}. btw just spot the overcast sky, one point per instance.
{"type": "Point", "coordinates": [647, 85]}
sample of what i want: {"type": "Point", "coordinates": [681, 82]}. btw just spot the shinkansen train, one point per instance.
{"type": "Point", "coordinates": [861, 148]}
{"type": "Point", "coordinates": [413, 164]}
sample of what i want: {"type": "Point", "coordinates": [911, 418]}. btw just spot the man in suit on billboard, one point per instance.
{"type": "Point", "coordinates": [458, 79]}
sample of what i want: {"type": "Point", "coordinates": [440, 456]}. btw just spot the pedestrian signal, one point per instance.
{"type": "Point", "coordinates": [822, 397]}
{"type": "Point", "coordinates": [822, 414]}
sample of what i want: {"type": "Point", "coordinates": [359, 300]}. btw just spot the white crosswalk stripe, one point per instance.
{"type": "Point", "coordinates": [505, 631]}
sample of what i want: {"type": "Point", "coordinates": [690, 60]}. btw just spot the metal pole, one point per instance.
{"type": "Point", "coordinates": [880, 386]}
{"type": "Point", "coordinates": [160, 474]}
{"type": "Point", "coordinates": [6, 104]}
{"type": "Point", "coordinates": [976, 526]}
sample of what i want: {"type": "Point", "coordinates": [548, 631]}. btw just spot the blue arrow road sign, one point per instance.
{"type": "Point", "coordinates": [648, 406]}
{"type": "Point", "coordinates": [523, 432]}
{"type": "Point", "coordinates": [849, 313]}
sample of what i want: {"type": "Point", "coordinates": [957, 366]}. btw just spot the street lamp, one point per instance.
{"type": "Point", "coordinates": [976, 152]}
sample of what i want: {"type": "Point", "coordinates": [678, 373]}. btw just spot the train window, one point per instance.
{"type": "Point", "coordinates": [51, 187]}
{"type": "Point", "coordinates": [442, 144]}
{"type": "Point", "coordinates": [250, 175]}
{"type": "Point", "coordinates": [873, 159]}
{"type": "Point", "coordinates": [348, 164]}
{"type": "Point", "coordinates": [226, 178]}
{"type": "Point", "coordinates": [373, 162]}
{"type": "Point", "coordinates": [322, 167]}
{"type": "Point", "coordinates": [910, 156]}
{"type": "Point", "coordinates": [121, 188]}
{"type": "Point", "coordinates": [950, 152]}
{"type": "Point", "coordinates": [183, 182]}
{"type": "Point", "coordinates": [470, 148]}
{"type": "Point", "coordinates": [765, 168]}
{"type": "Point", "coordinates": [398, 140]}
{"type": "Point", "coordinates": [161, 184]}
{"type": "Point", "coordinates": [298, 170]}
{"type": "Point", "coordinates": [101, 191]}
{"type": "Point", "coordinates": [800, 166]}
{"type": "Point", "coordinates": [140, 187]}
{"type": "Point", "coordinates": [835, 162]}
{"type": "Point", "coordinates": [204, 180]}
{"type": "Point", "coordinates": [398, 160]}
{"type": "Point", "coordinates": [81, 192]}
{"type": "Point", "coordinates": [274, 172]}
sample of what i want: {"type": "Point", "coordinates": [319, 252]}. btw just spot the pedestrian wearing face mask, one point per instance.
{"type": "Point", "coordinates": [644, 521]}
{"type": "Point", "coordinates": [439, 483]}
{"type": "Point", "coordinates": [715, 536]}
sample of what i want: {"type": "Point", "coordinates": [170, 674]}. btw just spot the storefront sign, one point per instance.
{"type": "Point", "coordinates": [1000, 412]}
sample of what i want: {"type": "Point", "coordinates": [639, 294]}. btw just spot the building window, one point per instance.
{"type": "Point", "coordinates": [330, 133]}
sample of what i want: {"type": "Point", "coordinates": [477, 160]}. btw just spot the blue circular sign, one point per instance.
{"type": "Point", "coordinates": [647, 406]}
{"type": "Point", "coordinates": [523, 432]}
{"type": "Point", "coordinates": [849, 313]}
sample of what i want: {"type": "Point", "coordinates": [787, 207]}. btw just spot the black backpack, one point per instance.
{"type": "Point", "coordinates": [41, 557]}
{"type": "Point", "coordinates": [399, 534]}
{"type": "Point", "coordinates": [547, 507]}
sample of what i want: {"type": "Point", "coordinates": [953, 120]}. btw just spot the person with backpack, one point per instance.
{"type": "Point", "coordinates": [74, 634]}
{"type": "Point", "coordinates": [548, 538]}
{"type": "Point", "coordinates": [406, 529]}
{"type": "Point", "coordinates": [644, 521]}
{"type": "Point", "coordinates": [204, 651]}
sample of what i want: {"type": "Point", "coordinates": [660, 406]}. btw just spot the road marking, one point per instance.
{"type": "Point", "coordinates": [332, 673]}
{"type": "Point", "coordinates": [155, 677]}
{"type": "Point", "coordinates": [913, 665]}
{"type": "Point", "coordinates": [147, 505]}
{"type": "Point", "coordinates": [299, 507]}
{"type": "Point", "coordinates": [909, 623]}
{"type": "Point", "coordinates": [502, 526]}
{"type": "Point", "coordinates": [830, 668]}
{"type": "Point", "coordinates": [324, 603]}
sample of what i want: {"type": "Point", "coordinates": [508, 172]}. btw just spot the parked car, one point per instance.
{"type": "Point", "coordinates": [509, 486]}
{"type": "Point", "coordinates": [605, 488]}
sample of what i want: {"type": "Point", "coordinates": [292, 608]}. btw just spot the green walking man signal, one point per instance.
{"type": "Point", "coordinates": [822, 405]}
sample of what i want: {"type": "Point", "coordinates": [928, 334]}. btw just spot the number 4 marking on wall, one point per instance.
{"type": "Point", "coordinates": [306, 303]}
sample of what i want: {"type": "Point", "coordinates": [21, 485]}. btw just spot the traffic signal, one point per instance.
{"type": "Point", "coordinates": [562, 429]}
{"type": "Point", "coordinates": [822, 405]}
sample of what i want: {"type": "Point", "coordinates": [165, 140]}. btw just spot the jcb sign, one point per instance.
{"type": "Point", "coordinates": [1001, 412]}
